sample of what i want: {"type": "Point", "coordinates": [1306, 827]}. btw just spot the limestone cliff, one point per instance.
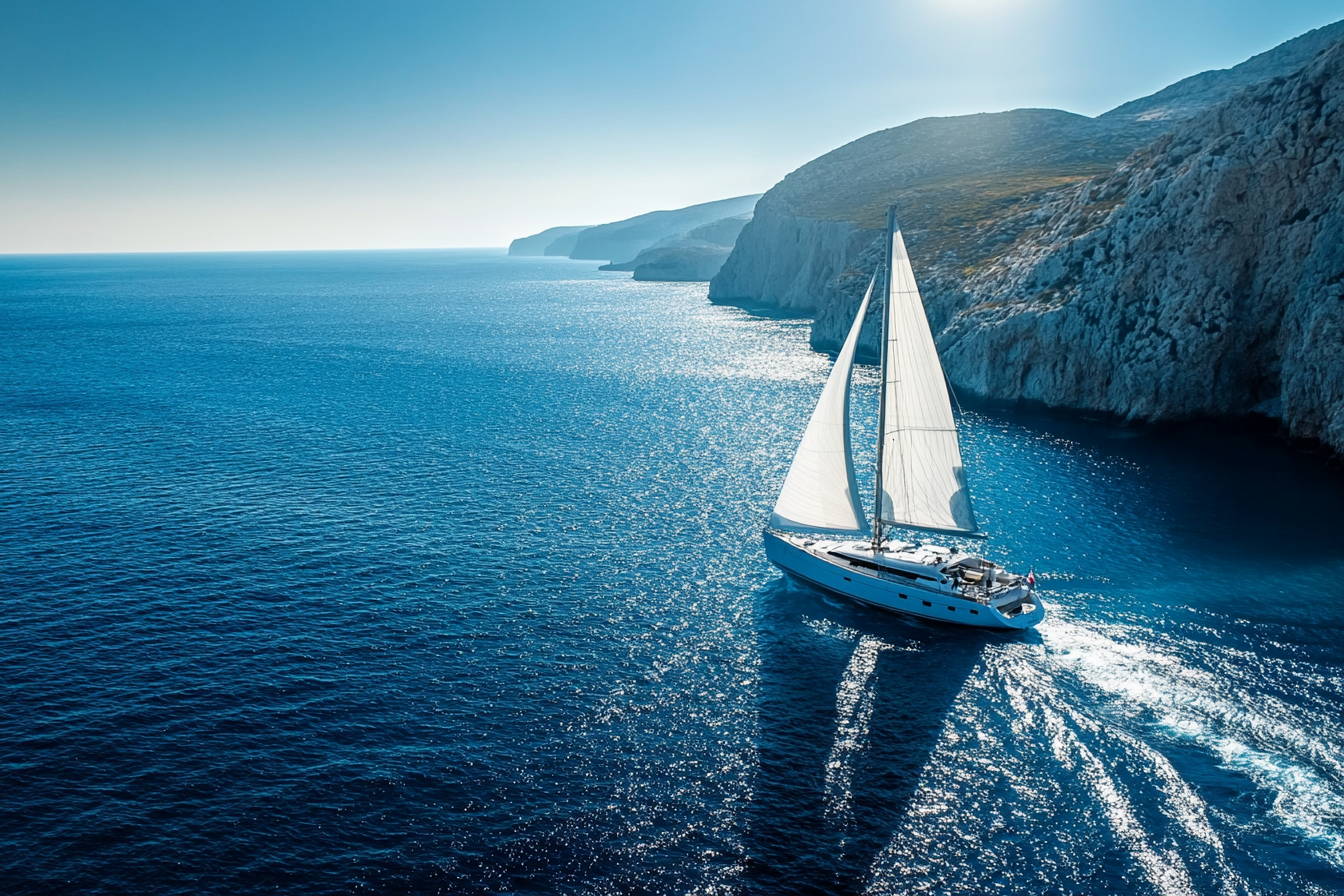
{"type": "Point", "coordinates": [1204, 276]}
{"type": "Point", "coordinates": [1167, 259]}
{"type": "Point", "coordinates": [966, 188]}
{"type": "Point", "coordinates": [949, 176]}
{"type": "Point", "coordinates": [540, 243]}
{"type": "Point", "coordinates": [699, 261]}
{"type": "Point", "coordinates": [695, 255]}
{"type": "Point", "coordinates": [680, 263]}
{"type": "Point", "coordinates": [708, 224]}
{"type": "Point", "coordinates": [789, 261]}
{"type": "Point", "coordinates": [623, 240]}
{"type": "Point", "coordinates": [723, 232]}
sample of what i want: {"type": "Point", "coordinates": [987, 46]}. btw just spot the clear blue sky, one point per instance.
{"type": "Point", "coordinates": [230, 124]}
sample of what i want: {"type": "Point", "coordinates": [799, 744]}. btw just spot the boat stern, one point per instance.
{"type": "Point", "coordinates": [1020, 608]}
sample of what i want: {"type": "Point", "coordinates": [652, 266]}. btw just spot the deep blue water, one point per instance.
{"type": "Point", "coordinates": [441, 572]}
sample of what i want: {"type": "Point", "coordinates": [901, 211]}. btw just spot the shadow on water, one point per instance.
{"type": "Point", "coordinates": [766, 311]}
{"type": "Point", "coordinates": [1222, 488]}
{"type": "Point", "coordinates": [825, 705]}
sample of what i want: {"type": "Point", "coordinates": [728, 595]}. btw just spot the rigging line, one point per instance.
{"type": "Point", "coordinates": [947, 380]}
{"type": "Point", "coordinates": [879, 485]}
{"type": "Point", "coordinates": [905, 459]}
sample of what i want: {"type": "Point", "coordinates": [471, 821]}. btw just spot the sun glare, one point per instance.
{"type": "Point", "coordinates": [980, 7]}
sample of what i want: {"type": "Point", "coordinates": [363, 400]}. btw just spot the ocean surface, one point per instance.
{"type": "Point", "coordinates": [441, 572]}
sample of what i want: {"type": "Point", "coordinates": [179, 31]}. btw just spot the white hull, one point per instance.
{"type": "Point", "coordinates": [929, 595]}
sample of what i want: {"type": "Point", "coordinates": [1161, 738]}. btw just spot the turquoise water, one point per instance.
{"type": "Point", "coordinates": [441, 572]}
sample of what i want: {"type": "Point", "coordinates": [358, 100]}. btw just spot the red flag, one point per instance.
{"type": "Point", "coordinates": [1031, 577]}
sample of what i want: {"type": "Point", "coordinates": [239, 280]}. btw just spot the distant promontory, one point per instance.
{"type": "Point", "coordinates": [680, 244]}
{"type": "Point", "coordinates": [539, 243]}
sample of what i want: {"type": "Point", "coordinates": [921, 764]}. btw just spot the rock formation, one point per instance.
{"type": "Point", "coordinates": [541, 243]}
{"type": "Point", "coordinates": [709, 224]}
{"type": "Point", "coordinates": [1193, 95]}
{"type": "Point", "coordinates": [1204, 276]}
{"type": "Point", "coordinates": [563, 245]}
{"type": "Point", "coordinates": [623, 240]}
{"type": "Point", "coordinates": [685, 263]}
{"type": "Point", "coordinates": [1100, 263]}
{"type": "Point", "coordinates": [948, 176]}
{"type": "Point", "coordinates": [695, 255]}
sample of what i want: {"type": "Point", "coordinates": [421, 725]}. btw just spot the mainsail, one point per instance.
{"type": "Point", "coordinates": [923, 484]}
{"type": "Point", "coordinates": [820, 493]}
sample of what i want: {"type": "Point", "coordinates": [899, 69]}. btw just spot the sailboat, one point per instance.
{"type": "Point", "coordinates": [818, 531]}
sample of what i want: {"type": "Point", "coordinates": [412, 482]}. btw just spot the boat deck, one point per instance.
{"type": "Point", "coordinates": [924, 580]}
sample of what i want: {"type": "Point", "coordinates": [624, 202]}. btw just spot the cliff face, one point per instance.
{"type": "Point", "coordinates": [623, 240]}
{"type": "Point", "coordinates": [707, 224]}
{"type": "Point", "coordinates": [1205, 276]}
{"type": "Point", "coordinates": [949, 177]}
{"type": "Point", "coordinates": [680, 263]}
{"type": "Point", "coordinates": [538, 243]}
{"type": "Point", "coordinates": [695, 255]}
{"type": "Point", "coordinates": [1177, 256]}
{"type": "Point", "coordinates": [723, 232]}
{"type": "Point", "coordinates": [789, 261]}
{"type": "Point", "coordinates": [966, 189]}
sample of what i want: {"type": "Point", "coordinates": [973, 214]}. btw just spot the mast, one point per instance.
{"type": "Point", "coordinates": [923, 477]}
{"type": "Point", "coordinates": [882, 380]}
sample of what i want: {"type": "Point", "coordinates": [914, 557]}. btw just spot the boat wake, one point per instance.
{"type": "Point", "coordinates": [1067, 765]}
{"type": "Point", "coordinates": [1290, 751]}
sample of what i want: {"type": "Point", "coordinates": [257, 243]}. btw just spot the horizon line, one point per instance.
{"type": "Point", "coordinates": [261, 251]}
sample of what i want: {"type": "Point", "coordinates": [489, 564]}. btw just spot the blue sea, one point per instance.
{"type": "Point", "coordinates": [441, 572]}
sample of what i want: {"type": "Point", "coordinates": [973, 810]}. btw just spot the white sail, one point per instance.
{"type": "Point", "coordinates": [820, 493]}
{"type": "Point", "coordinates": [923, 484]}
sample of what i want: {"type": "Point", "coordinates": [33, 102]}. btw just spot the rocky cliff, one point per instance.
{"type": "Point", "coordinates": [680, 263]}
{"type": "Point", "coordinates": [696, 255]}
{"type": "Point", "coordinates": [1000, 213]}
{"type": "Point", "coordinates": [1204, 276]}
{"type": "Point", "coordinates": [965, 188]}
{"type": "Point", "coordinates": [715, 224]}
{"type": "Point", "coordinates": [949, 176]}
{"type": "Point", "coordinates": [723, 232]}
{"type": "Point", "coordinates": [539, 243]}
{"type": "Point", "coordinates": [623, 240]}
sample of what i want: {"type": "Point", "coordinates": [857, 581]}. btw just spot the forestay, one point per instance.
{"type": "Point", "coordinates": [820, 493]}
{"type": "Point", "coordinates": [923, 484]}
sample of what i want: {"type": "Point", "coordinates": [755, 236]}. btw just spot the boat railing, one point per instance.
{"type": "Point", "coordinates": [983, 593]}
{"type": "Point", "coordinates": [979, 594]}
